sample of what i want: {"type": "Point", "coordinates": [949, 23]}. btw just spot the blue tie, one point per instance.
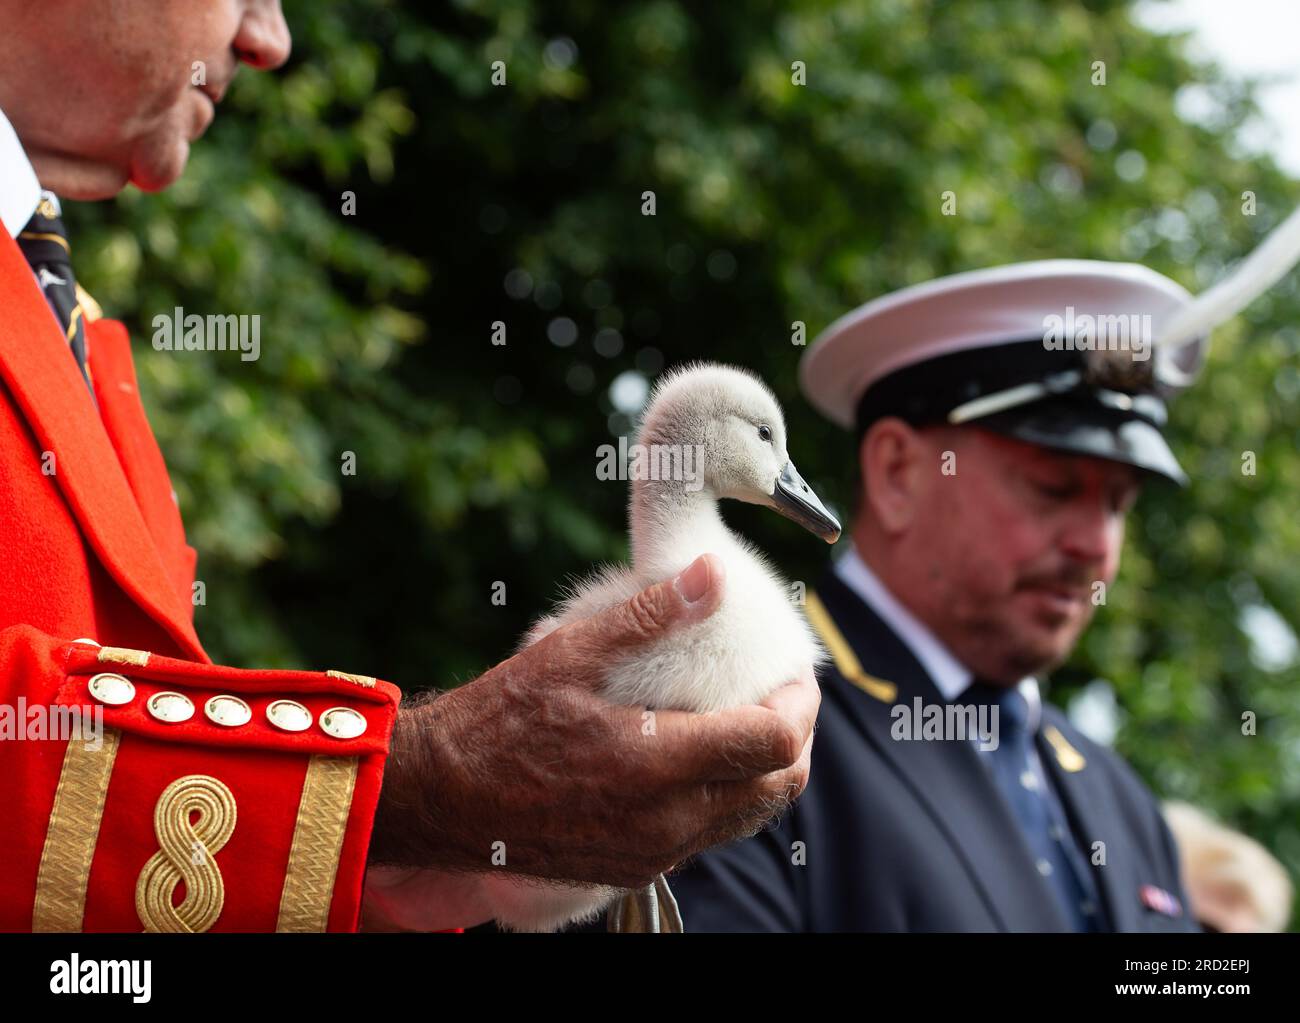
{"type": "Point", "coordinates": [1042, 822]}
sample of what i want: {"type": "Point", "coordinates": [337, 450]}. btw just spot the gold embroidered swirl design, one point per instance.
{"type": "Point", "coordinates": [186, 851]}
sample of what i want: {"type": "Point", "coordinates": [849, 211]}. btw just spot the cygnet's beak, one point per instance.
{"type": "Point", "coordinates": [794, 499]}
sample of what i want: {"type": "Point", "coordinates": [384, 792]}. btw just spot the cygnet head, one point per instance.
{"type": "Point", "coordinates": [733, 423]}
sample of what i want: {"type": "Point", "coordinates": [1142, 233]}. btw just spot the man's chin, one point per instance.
{"type": "Point", "coordinates": [1029, 644]}
{"type": "Point", "coordinates": [1043, 649]}
{"type": "Point", "coordinates": [153, 172]}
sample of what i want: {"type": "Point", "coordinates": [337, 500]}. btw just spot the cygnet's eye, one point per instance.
{"type": "Point", "coordinates": [765, 433]}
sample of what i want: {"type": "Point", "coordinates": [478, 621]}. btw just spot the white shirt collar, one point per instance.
{"type": "Point", "coordinates": [19, 189]}
{"type": "Point", "coordinates": [948, 674]}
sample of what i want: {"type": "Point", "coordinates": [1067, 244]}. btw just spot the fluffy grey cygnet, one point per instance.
{"type": "Point", "coordinates": [721, 433]}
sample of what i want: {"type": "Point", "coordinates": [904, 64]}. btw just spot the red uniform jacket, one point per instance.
{"type": "Point", "coordinates": [188, 813]}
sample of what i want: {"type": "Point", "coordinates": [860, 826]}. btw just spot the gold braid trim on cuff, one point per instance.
{"type": "Point", "coordinates": [317, 842]}
{"type": "Point", "coordinates": [72, 834]}
{"type": "Point", "coordinates": [365, 681]}
{"type": "Point", "coordinates": [123, 655]}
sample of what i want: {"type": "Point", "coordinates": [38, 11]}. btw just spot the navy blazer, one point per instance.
{"type": "Point", "coordinates": [914, 835]}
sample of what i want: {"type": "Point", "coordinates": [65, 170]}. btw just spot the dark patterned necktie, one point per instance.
{"type": "Point", "coordinates": [45, 244]}
{"type": "Point", "coordinates": [1042, 822]}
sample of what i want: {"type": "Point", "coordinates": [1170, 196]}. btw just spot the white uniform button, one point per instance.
{"type": "Point", "coordinates": [230, 711]}
{"type": "Point", "coordinates": [172, 708]}
{"type": "Point", "coordinates": [111, 688]}
{"type": "Point", "coordinates": [1056, 832]}
{"type": "Point", "coordinates": [1044, 868]}
{"type": "Point", "coordinates": [342, 723]}
{"type": "Point", "coordinates": [1029, 780]}
{"type": "Point", "coordinates": [289, 716]}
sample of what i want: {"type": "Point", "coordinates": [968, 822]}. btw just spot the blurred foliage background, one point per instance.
{"type": "Point", "coordinates": [775, 203]}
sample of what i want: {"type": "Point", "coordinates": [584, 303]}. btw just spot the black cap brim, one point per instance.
{"type": "Point", "coordinates": [1081, 428]}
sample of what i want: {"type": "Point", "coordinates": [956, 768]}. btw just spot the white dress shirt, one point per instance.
{"type": "Point", "coordinates": [19, 189]}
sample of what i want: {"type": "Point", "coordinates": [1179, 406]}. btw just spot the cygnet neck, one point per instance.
{"type": "Point", "coordinates": [671, 522]}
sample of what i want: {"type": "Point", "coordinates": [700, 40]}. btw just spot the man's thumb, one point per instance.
{"type": "Point", "coordinates": [689, 597]}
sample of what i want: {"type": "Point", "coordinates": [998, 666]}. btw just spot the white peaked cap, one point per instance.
{"type": "Point", "coordinates": [984, 308]}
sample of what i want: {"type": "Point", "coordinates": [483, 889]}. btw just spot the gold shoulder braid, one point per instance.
{"type": "Point", "coordinates": [846, 661]}
{"type": "Point", "coordinates": [1067, 756]}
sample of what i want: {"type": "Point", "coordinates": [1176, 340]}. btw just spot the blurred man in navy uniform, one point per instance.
{"type": "Point", "coordinates": [1007, 419]}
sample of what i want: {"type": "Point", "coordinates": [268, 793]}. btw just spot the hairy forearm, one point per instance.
{"type": "Point", "coordinates": [419, 877]}
{"type": "Point", "coordinates": [409, 830]}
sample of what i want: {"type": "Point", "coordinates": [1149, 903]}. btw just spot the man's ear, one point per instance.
{"type": "Point", "coordinates": [890, 457]}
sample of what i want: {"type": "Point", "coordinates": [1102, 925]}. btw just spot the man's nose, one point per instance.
{"type": "Point", "coordinates": [1093, 532]}
{"type": "Point", "coordinates": [263, 41]}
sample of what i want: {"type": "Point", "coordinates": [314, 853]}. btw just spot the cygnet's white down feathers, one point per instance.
{"type": "Point", "coordinates": [755, 641]}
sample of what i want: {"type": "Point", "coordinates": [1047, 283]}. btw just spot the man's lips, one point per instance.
{"type": "Point", "coordinates": [1059, 598]}
{"type": "Point", "coordinates": [213, 92]}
